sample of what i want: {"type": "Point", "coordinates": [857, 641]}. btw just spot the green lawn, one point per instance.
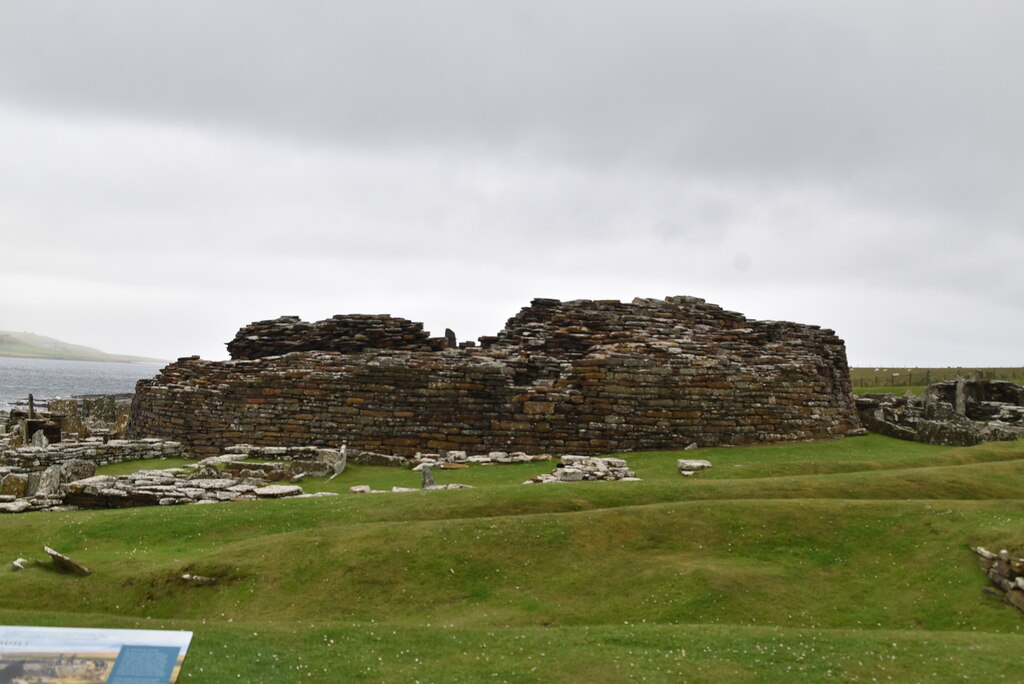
{"type": "Point", "coordinates": [831, 561]}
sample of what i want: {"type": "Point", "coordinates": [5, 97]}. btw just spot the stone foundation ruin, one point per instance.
{"type": "Point", "coordinates": [580, 377]}
{"type": "Point", "coordinates": [954, 413]}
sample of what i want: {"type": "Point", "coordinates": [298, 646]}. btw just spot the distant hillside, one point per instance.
{"type": "Point", "coordinates": [29, 345]}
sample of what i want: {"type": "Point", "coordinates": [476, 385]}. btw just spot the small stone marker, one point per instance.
{"type": "Point", "coordinates": [65, 564]}
{"type": "Point", "coordinates": [340, 464]}
{"type": "Point", "coordinates": [19, 564]}
{"type": "Point", "coordinates": [428, 479]}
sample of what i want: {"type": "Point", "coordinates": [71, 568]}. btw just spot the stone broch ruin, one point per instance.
{"type": "Point", "coordinates": [579, 377]}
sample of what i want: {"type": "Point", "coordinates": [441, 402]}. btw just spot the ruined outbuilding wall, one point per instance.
{"type": "Point", "coordinates": [580, 377]}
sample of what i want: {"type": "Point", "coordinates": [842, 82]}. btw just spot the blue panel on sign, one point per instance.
{"type": "Point", "coordinates": [144, 665]}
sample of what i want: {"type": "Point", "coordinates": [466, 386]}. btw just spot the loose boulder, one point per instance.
{"type": "Point", "coordinates": [688, 467]}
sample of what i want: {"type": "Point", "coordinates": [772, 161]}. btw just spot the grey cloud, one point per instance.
{"type": "Point", "coordinates": [447, 161]}
{"type": "Point", "coordinates": [721, 84]}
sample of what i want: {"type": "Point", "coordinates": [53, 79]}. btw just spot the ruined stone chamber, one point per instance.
{"type": "Point", "coordinates": [579, 377]}
{"type": "Point", "coordinates": [957, 412]}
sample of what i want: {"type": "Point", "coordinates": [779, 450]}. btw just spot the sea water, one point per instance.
{"type": "Point", "coordinates": [51, 379]}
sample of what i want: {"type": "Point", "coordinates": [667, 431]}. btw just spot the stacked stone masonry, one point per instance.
{"type": "Point", "coordinates": [94, 450]}
{"type": "Point", "coordinates": [343, 334]}
{"type": "Point", "coordinates": [579, 377]}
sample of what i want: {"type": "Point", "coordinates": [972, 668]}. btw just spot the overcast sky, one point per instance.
{"type": "Point", "coordinates": [172, 170]}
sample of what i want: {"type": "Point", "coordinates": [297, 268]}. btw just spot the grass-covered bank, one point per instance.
{"type": "Point", "coordinates": [845, 560]}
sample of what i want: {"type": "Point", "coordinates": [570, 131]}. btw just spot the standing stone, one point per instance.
{"type": "Point", "coordinates": [49, 482]}
{"type": "Point", "coordinates": [428, 478]}
{"type": "Point", "coordinates": [339, 466]}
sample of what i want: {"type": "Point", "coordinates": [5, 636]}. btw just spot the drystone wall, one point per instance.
{"type": "Point", "coordinates": [579, 377]}
{"type": "Point", "coordinates": [344, 334]}
{"type": "Point", "coordinates": [94, 450]}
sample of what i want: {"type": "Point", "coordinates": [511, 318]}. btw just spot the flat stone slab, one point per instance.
{"type": "Point", "coordinates": [65, 564]}
{"type": "Point", "coordinates": [277, 491]}
{"type": "Point", "coordinates": [691, 466]}
{"type": "Point", "coordinates": [15, 507]}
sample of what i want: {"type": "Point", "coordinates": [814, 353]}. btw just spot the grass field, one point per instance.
{"type": "Point", "coordinates": [830, 561]}
{"type": "Point", "coordinates": [900, 380]}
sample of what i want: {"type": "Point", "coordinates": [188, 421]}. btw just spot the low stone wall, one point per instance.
{"type": "Point", "coordinates": [93, 450]}
{"type": "Point", "coordinates": [583, 377]}
{"type": "Point", "coordinates": [306, 460]}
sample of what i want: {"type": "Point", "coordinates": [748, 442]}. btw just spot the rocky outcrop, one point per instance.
{"type": "Point", "coordinates": [954, 413]}
{"type": "Point", "coordinates": [582, 377]}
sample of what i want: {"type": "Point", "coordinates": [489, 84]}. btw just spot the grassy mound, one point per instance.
{"type": "Point", "coordinates": [843, 560]}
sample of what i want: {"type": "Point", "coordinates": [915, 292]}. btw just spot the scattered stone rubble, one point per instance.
{"type": "Point", "coordinates": [955, 413]}
{"type": "Point", "coordinates": [63, 476]}
{"type": "Point", "coordinates": [579, 468]}
{"type": "Point", "coordinates": [155, 488]}
{"type": "Point", "coordinates": [448, 459]}
{"type": "Point", "coordinates": [1006, 573]}
{"type": "Point", "coordinates": [59, 562]}
{"type": "Point", "coordinates": [580, 377]}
